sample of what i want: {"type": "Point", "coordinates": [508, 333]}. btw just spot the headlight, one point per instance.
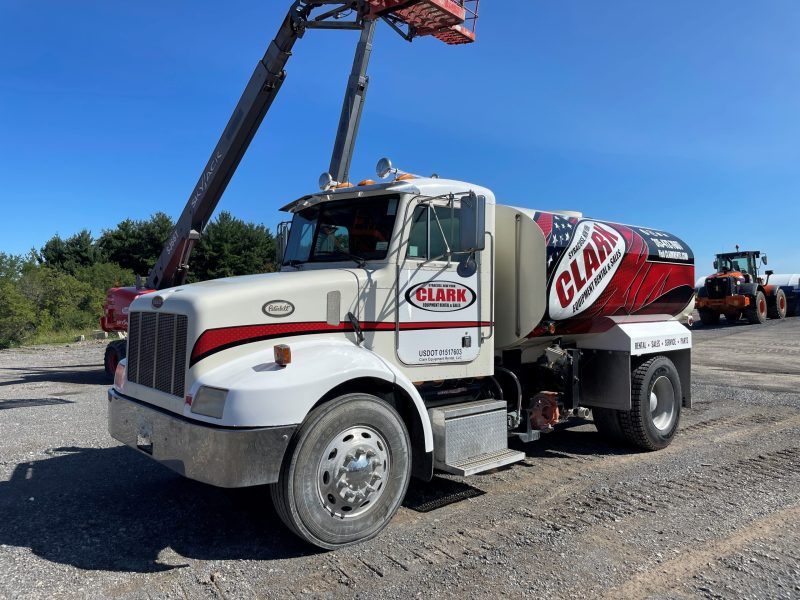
{"type": "Point", "coordinates": [209, 401]}
{"type": "Point", "coordinates": [120, 374]}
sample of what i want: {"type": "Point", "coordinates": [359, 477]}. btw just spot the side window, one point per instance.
{"type": "Point", "coordinates": [450, 227]}
{"type": "Point", "coordinates": [426, 239]}
{"type": "Point", "coordinates": [418, 238]}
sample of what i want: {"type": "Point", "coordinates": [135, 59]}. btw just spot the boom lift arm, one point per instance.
{"type": "Point", "coordinates": [265, 83]}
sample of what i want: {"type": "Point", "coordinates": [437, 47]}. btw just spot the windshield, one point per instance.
{"type": "Point", "coordinates": [738, 263]}
{"type": "Point", "coordinates": [358, 229]}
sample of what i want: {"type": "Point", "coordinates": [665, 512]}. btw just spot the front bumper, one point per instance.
{"type": "Point", "coordinates": [729, 302]}
{"type": "Point", "coordinates": [221, 456]}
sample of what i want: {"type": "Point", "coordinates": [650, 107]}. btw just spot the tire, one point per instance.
{"type": "Point", "coordinates": [778, 308]}
{"type": "Point", "coordinates": [756, 313]}
{"type": "Point", "coordinates": [606, 420]}
{"type": "Point", "coordinates": [733, 317]}
{"type": "Point", "coordinates": [313, 496]}
{"type": "Point", "coordinates": [708, 316]}
{"type": "Point", "coordinates": [115, 352]}
{"type": "Point", "coordinates": [656, 400]}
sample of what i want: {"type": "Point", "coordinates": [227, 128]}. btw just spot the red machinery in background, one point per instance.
{"type": "Point", "coordinates": [451, 21]}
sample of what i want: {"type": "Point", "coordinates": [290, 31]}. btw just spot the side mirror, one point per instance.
{"type": "Point", "coordinates": [716, 265]}
{"type": "Point", "coordinates": [473, 224]}
{"type": "Point", "coordinates": [281, 240]}
{"type": "Point", "coordinates": [764, 259]}
{"type": "Point", "coordinates": [769, 272]}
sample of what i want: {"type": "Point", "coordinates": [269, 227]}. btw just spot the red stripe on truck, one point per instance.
{"type": "Point", "coordinates": [212, 341]}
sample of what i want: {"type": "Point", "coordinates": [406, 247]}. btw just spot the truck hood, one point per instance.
{"type": "Point", "coordinates": [269, 298]}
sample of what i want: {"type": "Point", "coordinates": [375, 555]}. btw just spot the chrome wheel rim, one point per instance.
{"type": "Point", "coordinates": [353, 472]}
{"type": "Point", "coordinates": [662, 403]}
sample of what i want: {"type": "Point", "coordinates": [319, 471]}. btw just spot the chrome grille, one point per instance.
{"type": "Point", "coordinates": [157, 351]}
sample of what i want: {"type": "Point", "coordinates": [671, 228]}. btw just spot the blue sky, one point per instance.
{"type": "Point", "coordinates": [678, 115]}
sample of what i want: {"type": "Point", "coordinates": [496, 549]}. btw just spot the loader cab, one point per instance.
{"type": "Point", "coordinates": [744, 263]}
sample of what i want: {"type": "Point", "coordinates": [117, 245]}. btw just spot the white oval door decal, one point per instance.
{"type": "Point", "coordinates": [278, 308]}
{"type": "Point", "coordinates": [585, 269]}
{"type": "Point", "coordinates": [441, 296]}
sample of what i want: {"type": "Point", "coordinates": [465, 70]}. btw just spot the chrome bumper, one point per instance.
{"type": "Point", "coordinates": [224, 457]}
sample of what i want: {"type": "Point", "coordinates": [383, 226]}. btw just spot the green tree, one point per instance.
{"type": "Point", "coordinates": [136, 245]}
{"type": "Point", "coordinates": [17, 316]}
{"type": "Point", "coordinates": [61, 301]}
{"type": "Point", "coordinates": [230, 247]}
{"type": "Point", "coordinates": [71, 254]}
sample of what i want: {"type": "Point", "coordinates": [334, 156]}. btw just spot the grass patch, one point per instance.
{"type": "Point", "coordinates": [58, 337]}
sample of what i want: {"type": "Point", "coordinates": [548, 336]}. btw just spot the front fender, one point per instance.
{"type": "Point", "coordinates": [264, 394]}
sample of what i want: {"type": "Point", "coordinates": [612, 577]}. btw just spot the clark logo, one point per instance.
{"type": "Point", "coordinates": [586, 268]}
{"type": "Point", "coordinates": [441, 296]}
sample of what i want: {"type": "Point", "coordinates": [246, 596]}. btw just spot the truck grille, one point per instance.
{"type": "Point", "coordinates": [719, 287]}
{"type": "Point", "coordinates": [157, 351]}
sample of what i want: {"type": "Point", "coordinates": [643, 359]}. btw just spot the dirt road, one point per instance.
{"type": "Point", "coordinates": [716, 515]}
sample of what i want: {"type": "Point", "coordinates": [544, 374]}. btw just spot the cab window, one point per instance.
{"type": "Point", "coordinates": [433, 229]}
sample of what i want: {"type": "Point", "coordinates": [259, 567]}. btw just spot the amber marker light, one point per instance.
{"type": "Point", "coordinates": [283, 354]}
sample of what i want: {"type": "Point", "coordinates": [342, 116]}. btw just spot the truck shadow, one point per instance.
{"type": "Point", "coordinates": [90, 375]}
{"type": "Point", "coordinates": [111, 509]}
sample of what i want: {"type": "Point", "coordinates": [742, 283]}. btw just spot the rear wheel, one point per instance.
{"type": "Point", "coordinates": [346, 472]}
{"type": "Point", "coordinates": [656, 399]}
{"type": "Point", "coordinates": [115, 352]}
{"type": "Point", "coordinates": [757, 311]}
{"type": "Point", "coordinates": [708, 316]}
{"type": "Point", "coordinates": [778, 309]}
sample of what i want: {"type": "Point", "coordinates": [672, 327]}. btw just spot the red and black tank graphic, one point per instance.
{"type": "Point", "coordinates": [599, 269]}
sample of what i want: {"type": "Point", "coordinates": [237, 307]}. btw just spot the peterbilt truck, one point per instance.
{"type": "Point", "coordinates": [415, 325]}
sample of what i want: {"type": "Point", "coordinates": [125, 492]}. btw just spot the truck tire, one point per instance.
{"type": "Point", "coordinates": [606, 420]}
{"type": "Point", "coordinates": [756, 313]}
{"type": "Point", "coordinates": [115, 352]}
{"type": "Point", "coordinates": [733, 317]}
{"type": "Point", "coordinates": [655, 405]}
{"type": "Point", "coordinates": [708, 316]}
{"type": "Point", "coordinates": [345, 473]}
{"type": "Point", "coordinates": [777, 309]}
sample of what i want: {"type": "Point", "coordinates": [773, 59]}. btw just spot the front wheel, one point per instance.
{"type": "Point", "coordinates": [756, 313]}
{"type": "Point", "coordinates": [656, 399]}
{"type": "Point", "coordinates": [346, 472]}
{"type": "Point", "coordinates": [708, 316]}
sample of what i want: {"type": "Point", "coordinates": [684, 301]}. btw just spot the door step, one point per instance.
{"type": "Point", "coordinates": [484, 462]}
{"type": "Point", "coordinates": [471, 437]}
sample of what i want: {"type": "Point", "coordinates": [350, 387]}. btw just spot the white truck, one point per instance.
{"type": "Point", "coordinates": [415, 325]}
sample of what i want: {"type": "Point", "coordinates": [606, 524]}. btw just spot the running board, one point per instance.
{"type": "Point", "coordinates": [485, 462]}
{"type": "Point", "coordinates": [471, 437]}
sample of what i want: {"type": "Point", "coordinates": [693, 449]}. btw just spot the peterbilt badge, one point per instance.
{"type": "Point", "coordinates": [278, 308]}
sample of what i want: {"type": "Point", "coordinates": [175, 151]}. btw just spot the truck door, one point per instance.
{"type": "Point", "coordinates": [438, 308]}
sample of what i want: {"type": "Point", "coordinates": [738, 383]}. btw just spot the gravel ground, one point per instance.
{"type": "Point", "coordinates": [716, 515]}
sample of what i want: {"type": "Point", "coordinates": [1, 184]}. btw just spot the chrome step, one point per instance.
{"type": "Point", "coordinates": [484, 462]}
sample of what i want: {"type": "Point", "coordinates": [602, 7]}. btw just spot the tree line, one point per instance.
{"type": "Point", "coordinates": [60, 287]}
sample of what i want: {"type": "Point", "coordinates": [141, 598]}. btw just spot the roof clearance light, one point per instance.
{"type": "Point", "coordinates": [366, 182]}
{"type": "Point", "coordinates": [283, 354]}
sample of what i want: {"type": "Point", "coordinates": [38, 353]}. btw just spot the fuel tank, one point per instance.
{"type": "Point", "coordinates": [577, 272]}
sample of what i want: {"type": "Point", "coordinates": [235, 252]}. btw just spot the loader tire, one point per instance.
{"type": "Point", "coordinates": [115, 352]}
{"type": "Point", "coordinates": [345, 473]}
{"type": "Point", "coordinates": [708, 316]}
{"type": "Point", "coordinates": [756, 313]}
{"type": "Point", "coordinates": [656, 399]}
{"type": "Point", "coordinates": [606, 420]}
{"type": "Point", "coordinates": [778, 308]}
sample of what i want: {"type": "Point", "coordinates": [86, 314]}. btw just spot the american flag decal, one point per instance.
{"type": "Point", "coordinates": [558, 232]}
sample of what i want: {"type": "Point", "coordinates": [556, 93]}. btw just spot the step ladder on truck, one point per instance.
{"type": "Point", "coordinates": [416, 325]}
